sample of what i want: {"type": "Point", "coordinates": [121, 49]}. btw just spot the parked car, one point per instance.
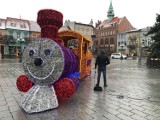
{"type": "Point", "coordinates": [118, 56]}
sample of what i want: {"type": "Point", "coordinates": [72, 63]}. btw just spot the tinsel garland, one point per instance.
{"type": "Point", "coordinates": [65, 88]}
{"type": "Point", "coordinates": [74, 75]}
{"type": "Point", "coordinates": [23, 83]}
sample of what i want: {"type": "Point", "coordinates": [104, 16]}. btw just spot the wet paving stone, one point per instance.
{"type": "Point", "coordinates": [132, 94]}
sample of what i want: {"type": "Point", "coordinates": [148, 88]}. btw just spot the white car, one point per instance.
{"type": "Point", "coordinates": [118, 56]}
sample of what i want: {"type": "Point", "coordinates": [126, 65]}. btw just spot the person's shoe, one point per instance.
{"type": "Point", "coordinates": [105, 85]}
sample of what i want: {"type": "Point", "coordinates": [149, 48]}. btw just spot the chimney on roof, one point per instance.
{"type": "Point", "coordinates": [91, 22]}
{"type": "Point", "coordinates": [98, 23]}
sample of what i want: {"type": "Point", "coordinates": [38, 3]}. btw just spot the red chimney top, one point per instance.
{"type": "Point", "coordinates": [50, 22]}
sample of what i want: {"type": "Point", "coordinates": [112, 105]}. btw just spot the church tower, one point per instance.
{"type": "Point", "coordinates": [110, 12]}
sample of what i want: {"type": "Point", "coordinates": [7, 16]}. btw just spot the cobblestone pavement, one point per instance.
{"type": "Point", "coordinates": [132, 94]}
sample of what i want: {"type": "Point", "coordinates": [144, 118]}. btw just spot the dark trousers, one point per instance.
{"type": "Point", "coordinates": [103, 70]}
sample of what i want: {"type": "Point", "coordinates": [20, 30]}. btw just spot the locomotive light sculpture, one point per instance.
{"type": "Point", "coordinates": [52, 69]}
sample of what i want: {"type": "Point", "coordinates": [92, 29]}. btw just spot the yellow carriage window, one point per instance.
{"type": "Point", "coordinates": [73, 43]}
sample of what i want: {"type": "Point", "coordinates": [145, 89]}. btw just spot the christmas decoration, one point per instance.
{"type": "Point", "coordinates": [52, 69]}
{"type": "Point", "coordinates": [65, 88]}
{"type": "Point", "coordinates": [23, 84]}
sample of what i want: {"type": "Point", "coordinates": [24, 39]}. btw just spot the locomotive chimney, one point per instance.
{"type": "Point", "coordinates": [50, 22]}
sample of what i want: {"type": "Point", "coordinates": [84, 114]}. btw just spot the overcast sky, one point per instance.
{"type": "Point", "coordinates": [141, 13]}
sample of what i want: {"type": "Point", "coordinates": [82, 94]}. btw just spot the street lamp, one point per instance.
{"type": "Point", "coordinates": [20, 40]}
{"type": "Point", "coordinates": [140, 56]}
{"type": "Point", "coordinates": [122, 45]}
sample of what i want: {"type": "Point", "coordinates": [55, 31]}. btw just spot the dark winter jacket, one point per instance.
{"type": "Point", "coordinates": [102, 60]}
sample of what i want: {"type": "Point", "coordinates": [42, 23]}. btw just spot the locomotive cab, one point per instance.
{"type": "Point", "coordinates": [79, 44]}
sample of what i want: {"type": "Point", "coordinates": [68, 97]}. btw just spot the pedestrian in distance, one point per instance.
{"type": "Point", "coordinates": [102, 61]}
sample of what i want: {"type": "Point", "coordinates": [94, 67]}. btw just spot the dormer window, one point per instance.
{"type": "Point", "coordinates": [23, 26]}
{"type": "Point", "coordinates": [13, 24]}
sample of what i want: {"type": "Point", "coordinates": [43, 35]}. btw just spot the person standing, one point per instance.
{"type": "Point", "coordinates": [101, 61]}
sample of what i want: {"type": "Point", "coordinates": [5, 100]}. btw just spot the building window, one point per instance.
{"type": "Point", "coordinates": [106, 41]}
{"type": "Point", "coordinates": [101, 41]}
{"type": "Point", "coordinates": [96, 43]}
{"type": "Point", "coordinates": [111, 41]}
{"type": "Point", "coordinates": [113, 32]}
{"type": "Point", "coordinates": [110, 32]}
{"type": "Point", "coordinates": [118, 43]}
{"type": "Point", "coordinates": [0, 35]}
{"type": "Point", "coordinates": [106, 33]}
{"type": "Point", "coordinates": [13, 24]}
{"type": "Point", "coordinates": [23, 25]}
{"type": "Point", "coordinates": [34, 37]}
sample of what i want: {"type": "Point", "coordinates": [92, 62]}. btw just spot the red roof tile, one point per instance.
{"type": "Point", "coordinates": [106, 23]}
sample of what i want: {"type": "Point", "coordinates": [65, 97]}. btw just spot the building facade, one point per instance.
{"type": "Point", "coordinates": [133, 42]}
{"type": "Point", "coordinates": [145, 40]}
{"type": "Point", "coordinates": [34, 30]}
{"type": "Point", "coordinates": [17, 36]}
{"type": "Point", "coordinates": [122, 42]}
{"type": "Point", "coordinates": [84, 29]}
{"type": "Point", "coordinates": [106, 32]}
{"type": "Point", "coordinates": [2, 37]}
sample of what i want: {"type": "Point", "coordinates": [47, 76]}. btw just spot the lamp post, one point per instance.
{"type": "Point", "coordinates": [20, 40]}
{"type": "Point", "coordinates": [122, 45]}
{"type": "Point", "coordinates": [140, 56]}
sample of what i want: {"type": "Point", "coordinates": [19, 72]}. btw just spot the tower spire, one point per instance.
{"type": "Point", "coordinates": [110, 12]}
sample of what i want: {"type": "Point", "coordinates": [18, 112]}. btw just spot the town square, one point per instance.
{"type": "Point", "coordinates": [55, 66]}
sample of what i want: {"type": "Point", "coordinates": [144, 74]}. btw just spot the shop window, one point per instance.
{"type": "Point", "coordinates": [0, 35]}
{"type": "Point", "coordinates": [18, 34]}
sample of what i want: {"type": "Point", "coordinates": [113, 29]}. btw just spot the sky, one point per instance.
{"type": "Point", "coordinates": [140, 13]}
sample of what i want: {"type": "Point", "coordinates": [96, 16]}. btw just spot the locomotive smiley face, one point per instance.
{"type": "Point", "coordinates": [43, 61]}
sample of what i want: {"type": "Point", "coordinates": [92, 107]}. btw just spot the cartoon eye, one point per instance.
{"type": "Point", "coordinates": [31, 53]}
{"type": "Point", "coordinates": [47, 52]}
